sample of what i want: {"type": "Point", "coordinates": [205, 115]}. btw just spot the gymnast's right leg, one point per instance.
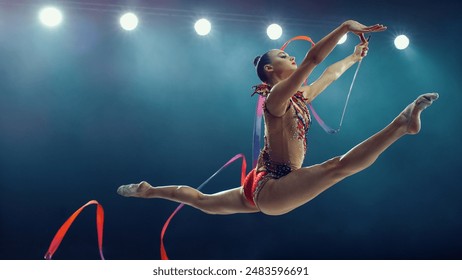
{"type": "Point", "coordinates": [230, 201]}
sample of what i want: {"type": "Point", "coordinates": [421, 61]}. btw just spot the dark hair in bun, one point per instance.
{"type": "Point", "coordinates": [256, 60]}
{"type": "Point", "coordinates": [259, 62]}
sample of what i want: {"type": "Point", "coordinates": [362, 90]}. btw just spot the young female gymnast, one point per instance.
{"type": "Point", "coordinates": [279, 184]}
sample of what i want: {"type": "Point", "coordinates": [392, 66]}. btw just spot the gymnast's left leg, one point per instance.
{"type": "Point", "coordinates": [230, 201]}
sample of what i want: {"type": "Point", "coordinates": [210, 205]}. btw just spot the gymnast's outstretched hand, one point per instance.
{"type": "Point", "coordinates": [359, 28]}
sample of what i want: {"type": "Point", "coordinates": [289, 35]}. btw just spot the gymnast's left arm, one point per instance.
{"type": "Point", "coordinates": [334, 71]}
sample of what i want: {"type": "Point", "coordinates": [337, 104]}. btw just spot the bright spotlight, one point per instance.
{"type": "Point", "coordinates": [342, 40]}
{"type": "Point", "coordinates": [50, 16]}
{"type": "Point", "coordinates": [203, 27]}
{"type": "Point", "coordinates": [274, 31]}
{"type": "Point", "coordinates": [401, 42]}
{"type": "Point", "coordinates": [129, 21]}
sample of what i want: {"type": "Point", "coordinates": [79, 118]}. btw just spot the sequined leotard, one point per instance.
{"type": "Point", "coordinates": [285, 143]}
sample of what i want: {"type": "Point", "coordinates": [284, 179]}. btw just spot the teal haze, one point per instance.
{"type": "Point", "coordinates": [87, 107]}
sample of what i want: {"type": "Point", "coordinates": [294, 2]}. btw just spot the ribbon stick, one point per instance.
{"type": "Point", "coordinates": [163, 252]}
{"type": "Point", "coordinates": [65, 227]}
{"type": "Point", "coordinates": [348, 98]}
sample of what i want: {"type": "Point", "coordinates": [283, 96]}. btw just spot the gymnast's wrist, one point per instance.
{"type": "Point", "coordinates": [355, 57]}
{"type": "Point", "coordinates": [345, 26]}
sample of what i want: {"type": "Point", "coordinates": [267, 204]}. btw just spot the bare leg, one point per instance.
{"type": "Point", "coordinates": [297, 188]}
{"type": "Point", "coordinates": [226, 202]}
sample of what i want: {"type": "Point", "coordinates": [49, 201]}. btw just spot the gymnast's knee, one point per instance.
{"type": "Point", "coordinates": [337, 169]}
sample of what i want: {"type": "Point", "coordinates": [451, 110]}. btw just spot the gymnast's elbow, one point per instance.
{"type": "Point", "coordinates": [312, 59]}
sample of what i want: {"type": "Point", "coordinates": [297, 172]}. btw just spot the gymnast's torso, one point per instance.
{"type": "Point", "coordinates": [285, 142]}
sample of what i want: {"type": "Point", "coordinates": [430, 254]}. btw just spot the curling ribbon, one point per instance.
{"type": "Point", "coordinates": [257, 131]}
{"type": "Point", "coordinates": [163, 252]}
{"type": "Point", "coordinates": [65, 227]}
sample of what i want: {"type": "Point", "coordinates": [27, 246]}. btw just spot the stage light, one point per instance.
{"type": "Point", "coordinates": [342, 40]}
{"type": "Point", "coordinates": [50, 16]}
{"type": "Point", "coordinates": [129, 21]}
{"type": "Point", "coordinates": [401, 42]}
{"type": "Point", "coordinates": [274, 31]}
{"type": "Point", "coordinates": [203, 27]}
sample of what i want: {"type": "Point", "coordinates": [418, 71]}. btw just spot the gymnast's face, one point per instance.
{"type": "Point", "coordinates": [282, 64]}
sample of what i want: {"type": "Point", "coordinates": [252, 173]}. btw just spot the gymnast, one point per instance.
{"type": "Point", "coordinates": [279, 183]}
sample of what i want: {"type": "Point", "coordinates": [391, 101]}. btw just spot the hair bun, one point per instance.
{"type": "Point", "coordinates": [256, 60]}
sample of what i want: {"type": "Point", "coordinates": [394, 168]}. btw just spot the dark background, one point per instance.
{"type": "Point", "coordinates": [87, 107]}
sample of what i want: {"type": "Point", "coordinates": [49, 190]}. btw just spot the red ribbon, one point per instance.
{"type": "Point", "coordinates": [304, 38]}
{"type": "Point", "coordinates": [65, 227]}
